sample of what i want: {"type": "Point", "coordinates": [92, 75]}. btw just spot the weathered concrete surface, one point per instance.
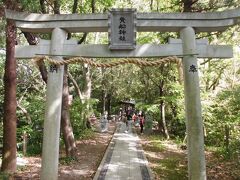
{"type": "Point", "coordinates": [122, 33]}
{"type": "Point", "coordinates": [146, 50]}
{"type": "Point", "coordinates": [50, 152]}
{"type": "Point", "coordinates": [124, 158]}
{"type": "Point", "coordinates": [201, 22]}
{"type": "Point", "coordinates": [195, 141]}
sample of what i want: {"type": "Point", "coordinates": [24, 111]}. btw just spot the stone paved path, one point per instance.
{"type": "Point", "coordinates": [124, 158]}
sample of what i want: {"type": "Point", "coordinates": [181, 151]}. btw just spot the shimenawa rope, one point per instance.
{"type": "Point", "coordinates": [90, 62]}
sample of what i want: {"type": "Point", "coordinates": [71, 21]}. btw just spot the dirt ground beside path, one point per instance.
{"type": "Point", "coordinates": [89, 155]}
{"type": "Point", "coordinates": [168, 161]}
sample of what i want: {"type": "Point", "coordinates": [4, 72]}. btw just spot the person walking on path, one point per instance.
{"type": "Point", "coordinates": [129, 114]}
{"type": "Point", "coordinates": [141, 119]}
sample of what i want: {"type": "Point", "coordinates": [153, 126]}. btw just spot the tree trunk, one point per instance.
{"type": "Point", "coordinates": [93, 6]}
{"type": "Point", "coordinates": [75, 5]}
{"type": "Point", "coordinates": [25, 141]}
{"type": "Point", "coordinates": [87, 89]}
{"type": "Point", "coordinates": [151, 5]}
{"type": "Point", "coordinates": [75, 84]}
{"type": "Point", "coordinates": [43, 70]}
{"type": "Point", "coordinates": [162, 123]}
{"type": "Point", "coordinates": [104, 95]}
{"type": "Point", "coordinates": [24, 111]}
{"type": "Point", "coordinates": [104, 91]}
{"type": "Point", "coordinates": [88, 82]}
{"type": "Point", "coordinates": [56, 8]}
{"type": "Point", "coordinates": [32, 40]}
{"type": "Point", "coordinates": [109, 101]}
{"type": "Point", "coordinates": [227, 137]}
{"type": "Point", "coordinates": [67, 131]}
{"type": "Point", "coordinates": [163, 119]}
{"type": "Point", "coordinates": [10, 102]}
{"type": "Point", "coordinates": [1, 11]}
{"type": "Point", "coordinates": [42, 6]}
{"type": "Point", "coordinates": [187, 5]}
{"type": "Point", "coordinates": [180, 72]}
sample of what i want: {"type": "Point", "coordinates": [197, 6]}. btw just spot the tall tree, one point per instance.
{"type": "Point", "coordinates": [10, 102]}
{"type": "Point", "coordinates": [161, 85]}
{"type": "Point", "coordinates": [67, 130]}
{"type": "Point", "coordinates": [187, 5]}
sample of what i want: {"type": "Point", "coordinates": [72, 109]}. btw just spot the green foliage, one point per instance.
{"type": "Point", "coordinates": [232, 152]}
{"type": "Point", "coordinates": [30, 96]}
{"type": "Point", "coordinates": [33, 129]}
{"type": "Point", "coordinates": [214, 5]}
{"type": "Point", "coordinates": [2, 35]}
{"type": "Point", "coordinates": [224, 114]}
{"type": "Point", "coordinates": [79, 114]}
{"type": "Point", "coordinates": [157, 146]}
{"type": "Point", "coordinates": [67, 160]}
{"type": "Point", "coordinates": [30, 5]}
{"type": "Point", "coordinates": [86, 134]}
{"type": "Point", "coordinates": [171, 169]}
{"type": "Point", "coordinates": [5, 176]}
{"type": "Point", "coordinates": [171, 163]}
{"type": "Point", "coordinates": [230, 104]}
{"type": "Point", "coordinates": [77, 117]}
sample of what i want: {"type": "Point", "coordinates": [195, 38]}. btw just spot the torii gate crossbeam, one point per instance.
{"type": "Point", "coordinates": [185, 23]}
{"type": "Point", "coordinates": [158, 22]}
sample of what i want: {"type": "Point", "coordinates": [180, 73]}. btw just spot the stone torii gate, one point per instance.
{"type": "Point", "coordinates": [186, 23]}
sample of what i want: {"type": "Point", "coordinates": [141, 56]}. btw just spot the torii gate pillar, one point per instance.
{"type": "Point", "coordinates": [195, 141]}
{"type": "Point", "coordinates": [50, 152]}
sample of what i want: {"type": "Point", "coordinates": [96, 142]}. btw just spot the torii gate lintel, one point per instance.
{"type": "Point", "coordinates": [173, 48]}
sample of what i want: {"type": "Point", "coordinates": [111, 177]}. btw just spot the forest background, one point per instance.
{"type": "Point", "coordinates": [156, 90]}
